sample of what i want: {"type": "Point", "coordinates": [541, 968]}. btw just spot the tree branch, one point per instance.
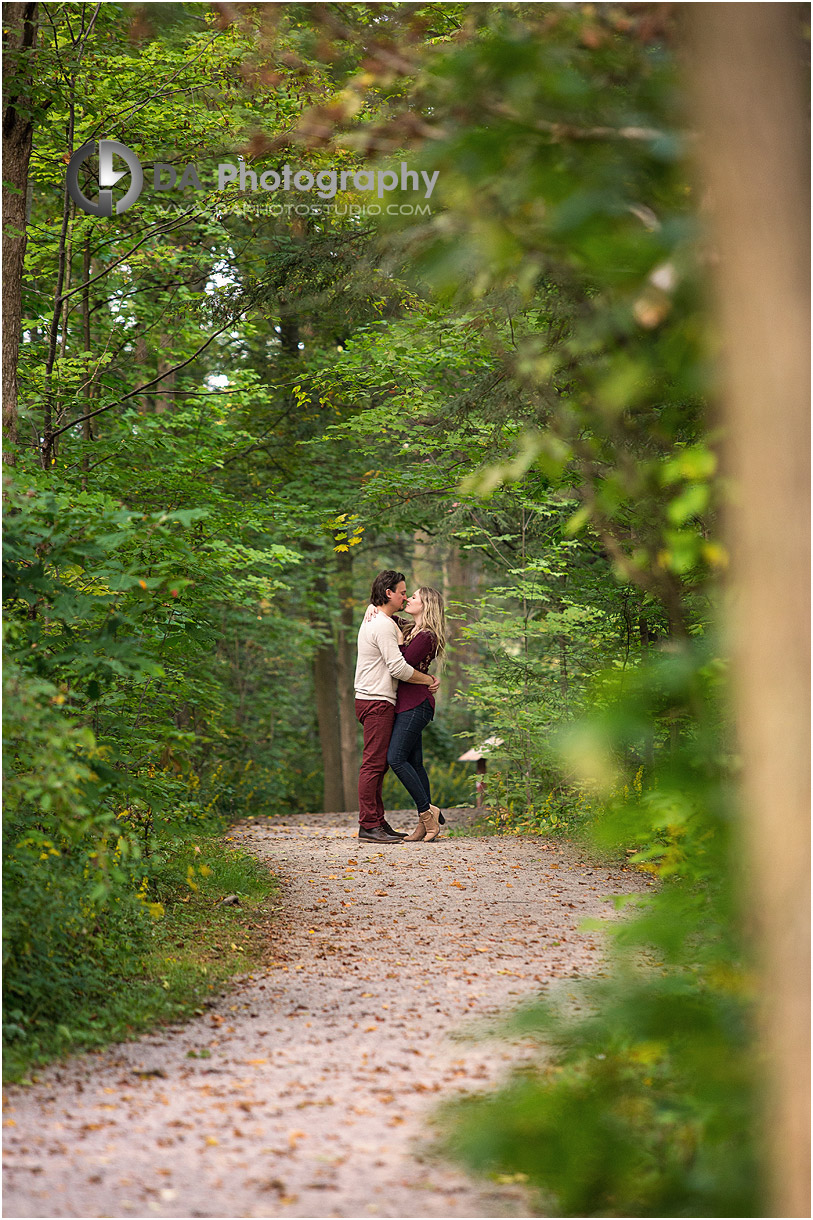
{"type": "Point", "coordinates": [148, 384]}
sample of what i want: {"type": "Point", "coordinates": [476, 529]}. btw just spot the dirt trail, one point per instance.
{"type": "Point", "coordinates": [322, 1067]}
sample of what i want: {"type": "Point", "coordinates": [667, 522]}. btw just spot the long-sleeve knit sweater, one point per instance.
{"type": "Point", "coordinates": [420, 651]}
{"type": "Point", "coordinates": [380, 664]}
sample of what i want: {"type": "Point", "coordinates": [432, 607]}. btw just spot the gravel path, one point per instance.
{"type": "Point", "coordinates": [323, 1067]}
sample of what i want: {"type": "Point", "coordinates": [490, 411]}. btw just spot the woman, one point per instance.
{"type": "Point", "coordinates": [424, 639]}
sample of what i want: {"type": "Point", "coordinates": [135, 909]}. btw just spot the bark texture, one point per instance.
{"type": "Point", "coordinates": [747, 65]}
{"type": "Point", "coordinates": [327, 706]}
{"type": "Point", "coordinates": [19, 37]}
{"type": "Point", "coordinates": [345, 669]}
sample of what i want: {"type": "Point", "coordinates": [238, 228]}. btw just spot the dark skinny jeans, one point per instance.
{"type": "Point", "coordinates": [405, 753]}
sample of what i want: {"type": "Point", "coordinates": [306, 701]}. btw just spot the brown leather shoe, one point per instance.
{"type": "Point", "coordinates": [400, 834]}
{"type": "Point", "coordinates": [377, 835]}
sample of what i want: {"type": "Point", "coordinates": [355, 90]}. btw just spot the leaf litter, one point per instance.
{"type": "Point", "coordinates": [323, 1106]}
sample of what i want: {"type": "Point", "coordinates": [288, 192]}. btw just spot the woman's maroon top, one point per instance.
{"type": "Point", "coordinates": [419, 651]}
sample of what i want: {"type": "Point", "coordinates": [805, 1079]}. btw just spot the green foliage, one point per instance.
{"type": "Point", "coordinates": [644, 1106]}
{"type": "Point", "coordinates": [639, 1111]}
{"type": "Point", "coordinates": [106, 636]}
{"type": "Point", "coordinates": [81, 973]}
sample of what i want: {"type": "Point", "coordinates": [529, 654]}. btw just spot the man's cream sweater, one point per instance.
{"type": "Point", "coordinates": [380, 664]}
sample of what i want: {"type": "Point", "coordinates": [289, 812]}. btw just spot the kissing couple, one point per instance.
{"type": "Point", "coordinates": [395, 702]}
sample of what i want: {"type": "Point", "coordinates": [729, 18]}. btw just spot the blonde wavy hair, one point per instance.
{"type": "Point", "coordinates": [433, 619]}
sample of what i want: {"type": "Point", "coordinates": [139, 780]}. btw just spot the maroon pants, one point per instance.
{"type": "Point", "coordinates": [376, 717]}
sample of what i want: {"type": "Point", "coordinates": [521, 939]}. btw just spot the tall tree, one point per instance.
{"type": "Point", "coordinates": [746, 63]}
{"type": "Point", "coordinates": [345, 655]}
{"type": "Point", "coordinates": [326, 692]}
{"type": "Point", "coordinates": [19, 40]}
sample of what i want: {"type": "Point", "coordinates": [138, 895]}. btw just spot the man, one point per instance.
{"type": "Point", "coordinates": [379, 669]}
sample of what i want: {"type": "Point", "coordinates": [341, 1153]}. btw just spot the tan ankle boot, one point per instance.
{"type": "Point", "coordinates": [418, 833]}
{"type": "Point", "coordinates": [431, 823]}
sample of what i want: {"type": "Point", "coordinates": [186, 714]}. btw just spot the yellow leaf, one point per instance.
{"type": "Point", "coordinates": [212, 1140]}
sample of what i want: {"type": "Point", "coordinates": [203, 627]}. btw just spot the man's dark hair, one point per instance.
{"type": "Point", "coordinates": [383, 581]}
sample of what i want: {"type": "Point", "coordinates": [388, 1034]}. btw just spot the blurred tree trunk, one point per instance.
{"type": "Point", "coordinates": [455, 587]}
{"type": "Point", "coordinates": [327, 703]}
{"type": "Point", "coordinates": [345, 667]}
{"type": "Point", "coordinates": [19, 37]}
{"type": "Point", "coordinates": [747, 64]}
{"type": "Point", "coordinates": [163, 395]}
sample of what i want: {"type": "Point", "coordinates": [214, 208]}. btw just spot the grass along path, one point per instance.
{"type": "Point", "coordinates": [307, 1090]}
{"type": "Point", "coordinates": [156, 970]}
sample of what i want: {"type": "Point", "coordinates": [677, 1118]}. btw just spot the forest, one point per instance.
{"type": "Point", "coordinates": [441, 288]}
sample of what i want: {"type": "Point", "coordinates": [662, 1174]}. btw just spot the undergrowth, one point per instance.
{"type": "Point", "coordinates": [129, 965]}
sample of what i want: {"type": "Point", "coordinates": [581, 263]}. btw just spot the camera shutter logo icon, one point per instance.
{"type": "Point", "coordinates": [108, 177]}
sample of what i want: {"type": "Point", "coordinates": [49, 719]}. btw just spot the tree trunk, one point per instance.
{"type": "Point", "coordinates": [145, 403]}
{"type": "Point", "coordinates": [165, 360]}
{"type": "Point", "coordinates": [345, 657]}
{"type": "Point", "coordinates": [289, 331]}
{"type": "Point", "coordinates": [750, 99]}
{"type": "Point", "coordinates": [20, 32]}
{"type": "Point", "coordinates": [327, 704]}
{"type": "Point", "coordinates": [163, 395]}
{"type": "Point", "coordinates": [87, 431]}
{"type": "Point", "coordinates": [454, 589]}
{"type": "Point", "coordinates": [51, 411]}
